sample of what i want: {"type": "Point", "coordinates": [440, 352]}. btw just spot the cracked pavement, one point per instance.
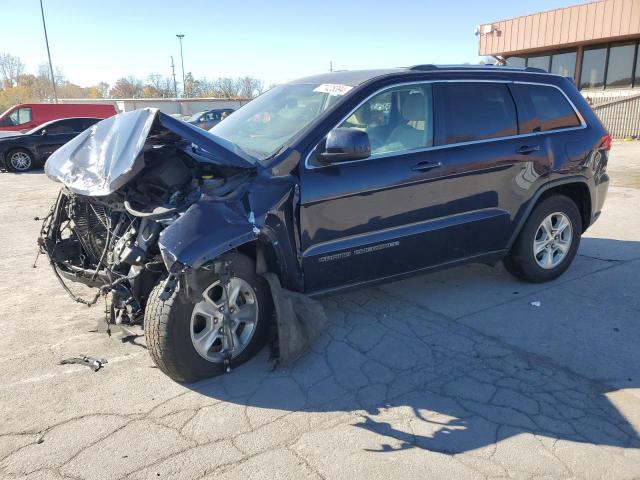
{"type": "Point", "coordinates": [449, 375]}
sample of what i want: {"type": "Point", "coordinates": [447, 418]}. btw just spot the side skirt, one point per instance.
{"type": "Point", "coordinates": [490, 258]}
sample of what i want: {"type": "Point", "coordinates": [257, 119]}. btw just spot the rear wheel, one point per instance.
{"type": "Point", "coordinates": [19, 160]}
{"type": "Point", "coordinates": [548, 242]}
{"type": "Point", "coordinates": [185, 338]}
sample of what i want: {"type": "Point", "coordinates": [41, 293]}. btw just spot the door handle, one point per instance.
{"type": "Point", "coordinates": [425, 166]}
{"type": "Point", "coordinates": [526, 149]}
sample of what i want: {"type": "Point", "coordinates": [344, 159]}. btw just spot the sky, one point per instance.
{"type": "Point", "coordinates": [275, 41]}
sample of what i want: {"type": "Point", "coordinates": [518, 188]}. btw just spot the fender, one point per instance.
{"type": "Point", "coordinates": [205, 231]}
{"type": "Point", "coordinates": [534, 200]}
{"type": "Point", "coordinates": [210, 228]}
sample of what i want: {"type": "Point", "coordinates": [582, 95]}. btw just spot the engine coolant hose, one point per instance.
{"type": "Point", "coordinates": [156, 213]}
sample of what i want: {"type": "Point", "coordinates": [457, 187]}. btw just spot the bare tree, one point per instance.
{"type": "Point", "coordinates": [161, 86]}
{"type": "Point", "coordinates": [227, 87]}
{"type": "Point", "coordinates": [14, 83]}
{"type": "Point", "coordinates": [127, 87]}
{"type": "Point", "coordinates": [249, 87]}
{"type": "Point", "coordinates": [11, 68]}
{"type": "Point", "coordinates": [45, 73]}
{"type": "Point", "coordinates": [102, 89]}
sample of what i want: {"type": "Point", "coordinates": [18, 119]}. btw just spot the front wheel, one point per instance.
{"type": "Point", "coordinates": [185, 337]}
{"type": "Point", "coordinates": [549, 241]}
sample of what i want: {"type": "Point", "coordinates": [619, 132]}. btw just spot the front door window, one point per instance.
{"type": "Point", "coordinates": [396, 120]}
{"type": "Point", "coordinates": [20, 116]}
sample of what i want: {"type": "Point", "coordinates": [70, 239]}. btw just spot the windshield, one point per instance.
{"type": "Point", "coordinates": [265, 124]}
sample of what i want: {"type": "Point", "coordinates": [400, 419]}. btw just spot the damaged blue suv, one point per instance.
{"type": "Point", "coordinates": [328, 182]}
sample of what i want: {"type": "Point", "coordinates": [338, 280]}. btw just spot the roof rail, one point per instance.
{"type": "Point", "coordinates": [431, 67]}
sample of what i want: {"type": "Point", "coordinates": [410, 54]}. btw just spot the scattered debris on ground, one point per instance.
{"type": "Point", "coordinates": [94, 364]}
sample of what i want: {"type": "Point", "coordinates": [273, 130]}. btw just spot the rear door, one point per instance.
{"type": "Point", "coordinates": [489, 169]}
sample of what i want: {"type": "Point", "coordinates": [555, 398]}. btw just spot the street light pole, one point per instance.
{"type": "Point", "coordinates": [180, 37]}
{"type": "Point", "coordinates": [46, 39]}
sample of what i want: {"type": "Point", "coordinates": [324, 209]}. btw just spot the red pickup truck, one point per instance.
{"type": "Point", "coordinates": [25, 116]}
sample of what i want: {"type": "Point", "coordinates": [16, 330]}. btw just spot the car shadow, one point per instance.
{"type": "Point", "coordinates": [419, 378]}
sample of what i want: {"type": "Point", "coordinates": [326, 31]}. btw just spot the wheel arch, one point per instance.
{"type": "Point", "coordinates": [576, 188]}
{"type": "Point", "coordinates": [579, 193]}
{"type": "Point", "coordinates": [269, 256]}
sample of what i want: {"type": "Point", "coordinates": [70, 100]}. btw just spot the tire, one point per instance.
{"type": "Point", "coordinates": [13, 164]}
{"type": "Point", "coordinates": [548, 263]}
{"type": "Point", "coordinates": [170, 325]}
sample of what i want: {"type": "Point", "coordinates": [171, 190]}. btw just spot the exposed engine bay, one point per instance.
{"type": "Point", "coordinates": [111, 242]}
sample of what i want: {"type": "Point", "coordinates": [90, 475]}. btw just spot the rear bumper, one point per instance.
{"type": "Point", "coordinates": [599, 194]}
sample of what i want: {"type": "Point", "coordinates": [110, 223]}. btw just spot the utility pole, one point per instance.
{"type": "Point", "coordinates": [331, 65]}
{"type": "Point", "coordinates": [46, 39]}
{"type": "Point", "coordinates": [175, 86]}
{"type": "Point", "coordinates": [180, 37]}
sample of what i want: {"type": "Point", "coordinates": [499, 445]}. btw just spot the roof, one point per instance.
{"type": "Point", "coordinates": [352, 78]}
{"type": "Point", "coordinates": [593, 22]}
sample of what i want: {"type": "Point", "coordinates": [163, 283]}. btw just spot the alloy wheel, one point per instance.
{"type": "Point", "coordinates": [553, 240]}
{"type": "Point", "coordinates": [20, 161]}
{"type": "Point", "coordinates": [207, 319]}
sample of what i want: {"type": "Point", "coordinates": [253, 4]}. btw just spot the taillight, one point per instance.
{"type": "Point", "coordinates": [605, 143]}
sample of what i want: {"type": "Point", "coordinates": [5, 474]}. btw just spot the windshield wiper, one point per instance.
{"type": "Point", "coordinates": [274, 154]}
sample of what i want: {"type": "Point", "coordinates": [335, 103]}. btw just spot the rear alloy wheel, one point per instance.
{"type": "Point", "coordinates": [553, 240]}
{"type": "Point", "coordinates": [548, 242]}
{"type": "Point", "coordinates": [185, 335]}
{"type": "Point", "coordinates": [19, 161]}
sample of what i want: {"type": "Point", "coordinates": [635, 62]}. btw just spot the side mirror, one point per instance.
{"type": "Point", "coordinates": [43, 132]}
{"type": "Point", "coordinates": [345, 144]}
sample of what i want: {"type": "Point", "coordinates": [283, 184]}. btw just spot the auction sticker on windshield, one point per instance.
{"type": "Point", "coordinates": [332, 89]}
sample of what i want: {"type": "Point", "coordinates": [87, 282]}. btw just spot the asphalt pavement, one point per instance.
{"type": "Point", "coordinates": [465, 373]}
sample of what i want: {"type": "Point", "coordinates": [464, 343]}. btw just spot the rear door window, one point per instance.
{"type": "Point", "coordinates": [472, 111]}
{"type": "Point", "coordinates": [550, 108]}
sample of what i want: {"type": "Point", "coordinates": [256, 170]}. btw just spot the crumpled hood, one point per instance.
{"type": "Point", "coordinates": [108, 155]}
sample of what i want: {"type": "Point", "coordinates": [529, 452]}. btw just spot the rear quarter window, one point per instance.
{"type": "Point", "coordinates": [550, 109]}
{"type": "Point", "coordinates": [471, 111]}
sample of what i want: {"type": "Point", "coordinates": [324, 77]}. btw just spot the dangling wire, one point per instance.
{"type": "Point", "coordinates": [106, 316]}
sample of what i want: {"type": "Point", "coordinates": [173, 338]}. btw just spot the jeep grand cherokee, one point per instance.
{"type": "Point", "coordinates": [328, 182]}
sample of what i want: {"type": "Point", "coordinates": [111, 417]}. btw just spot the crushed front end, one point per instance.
{"type": "Point", "coordinates": [181, 230]}
{"type": "Point", "coordinates": [104, 229]}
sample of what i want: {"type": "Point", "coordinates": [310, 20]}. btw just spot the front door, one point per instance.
{"type": "Point", "coordinates": [373, 218]}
